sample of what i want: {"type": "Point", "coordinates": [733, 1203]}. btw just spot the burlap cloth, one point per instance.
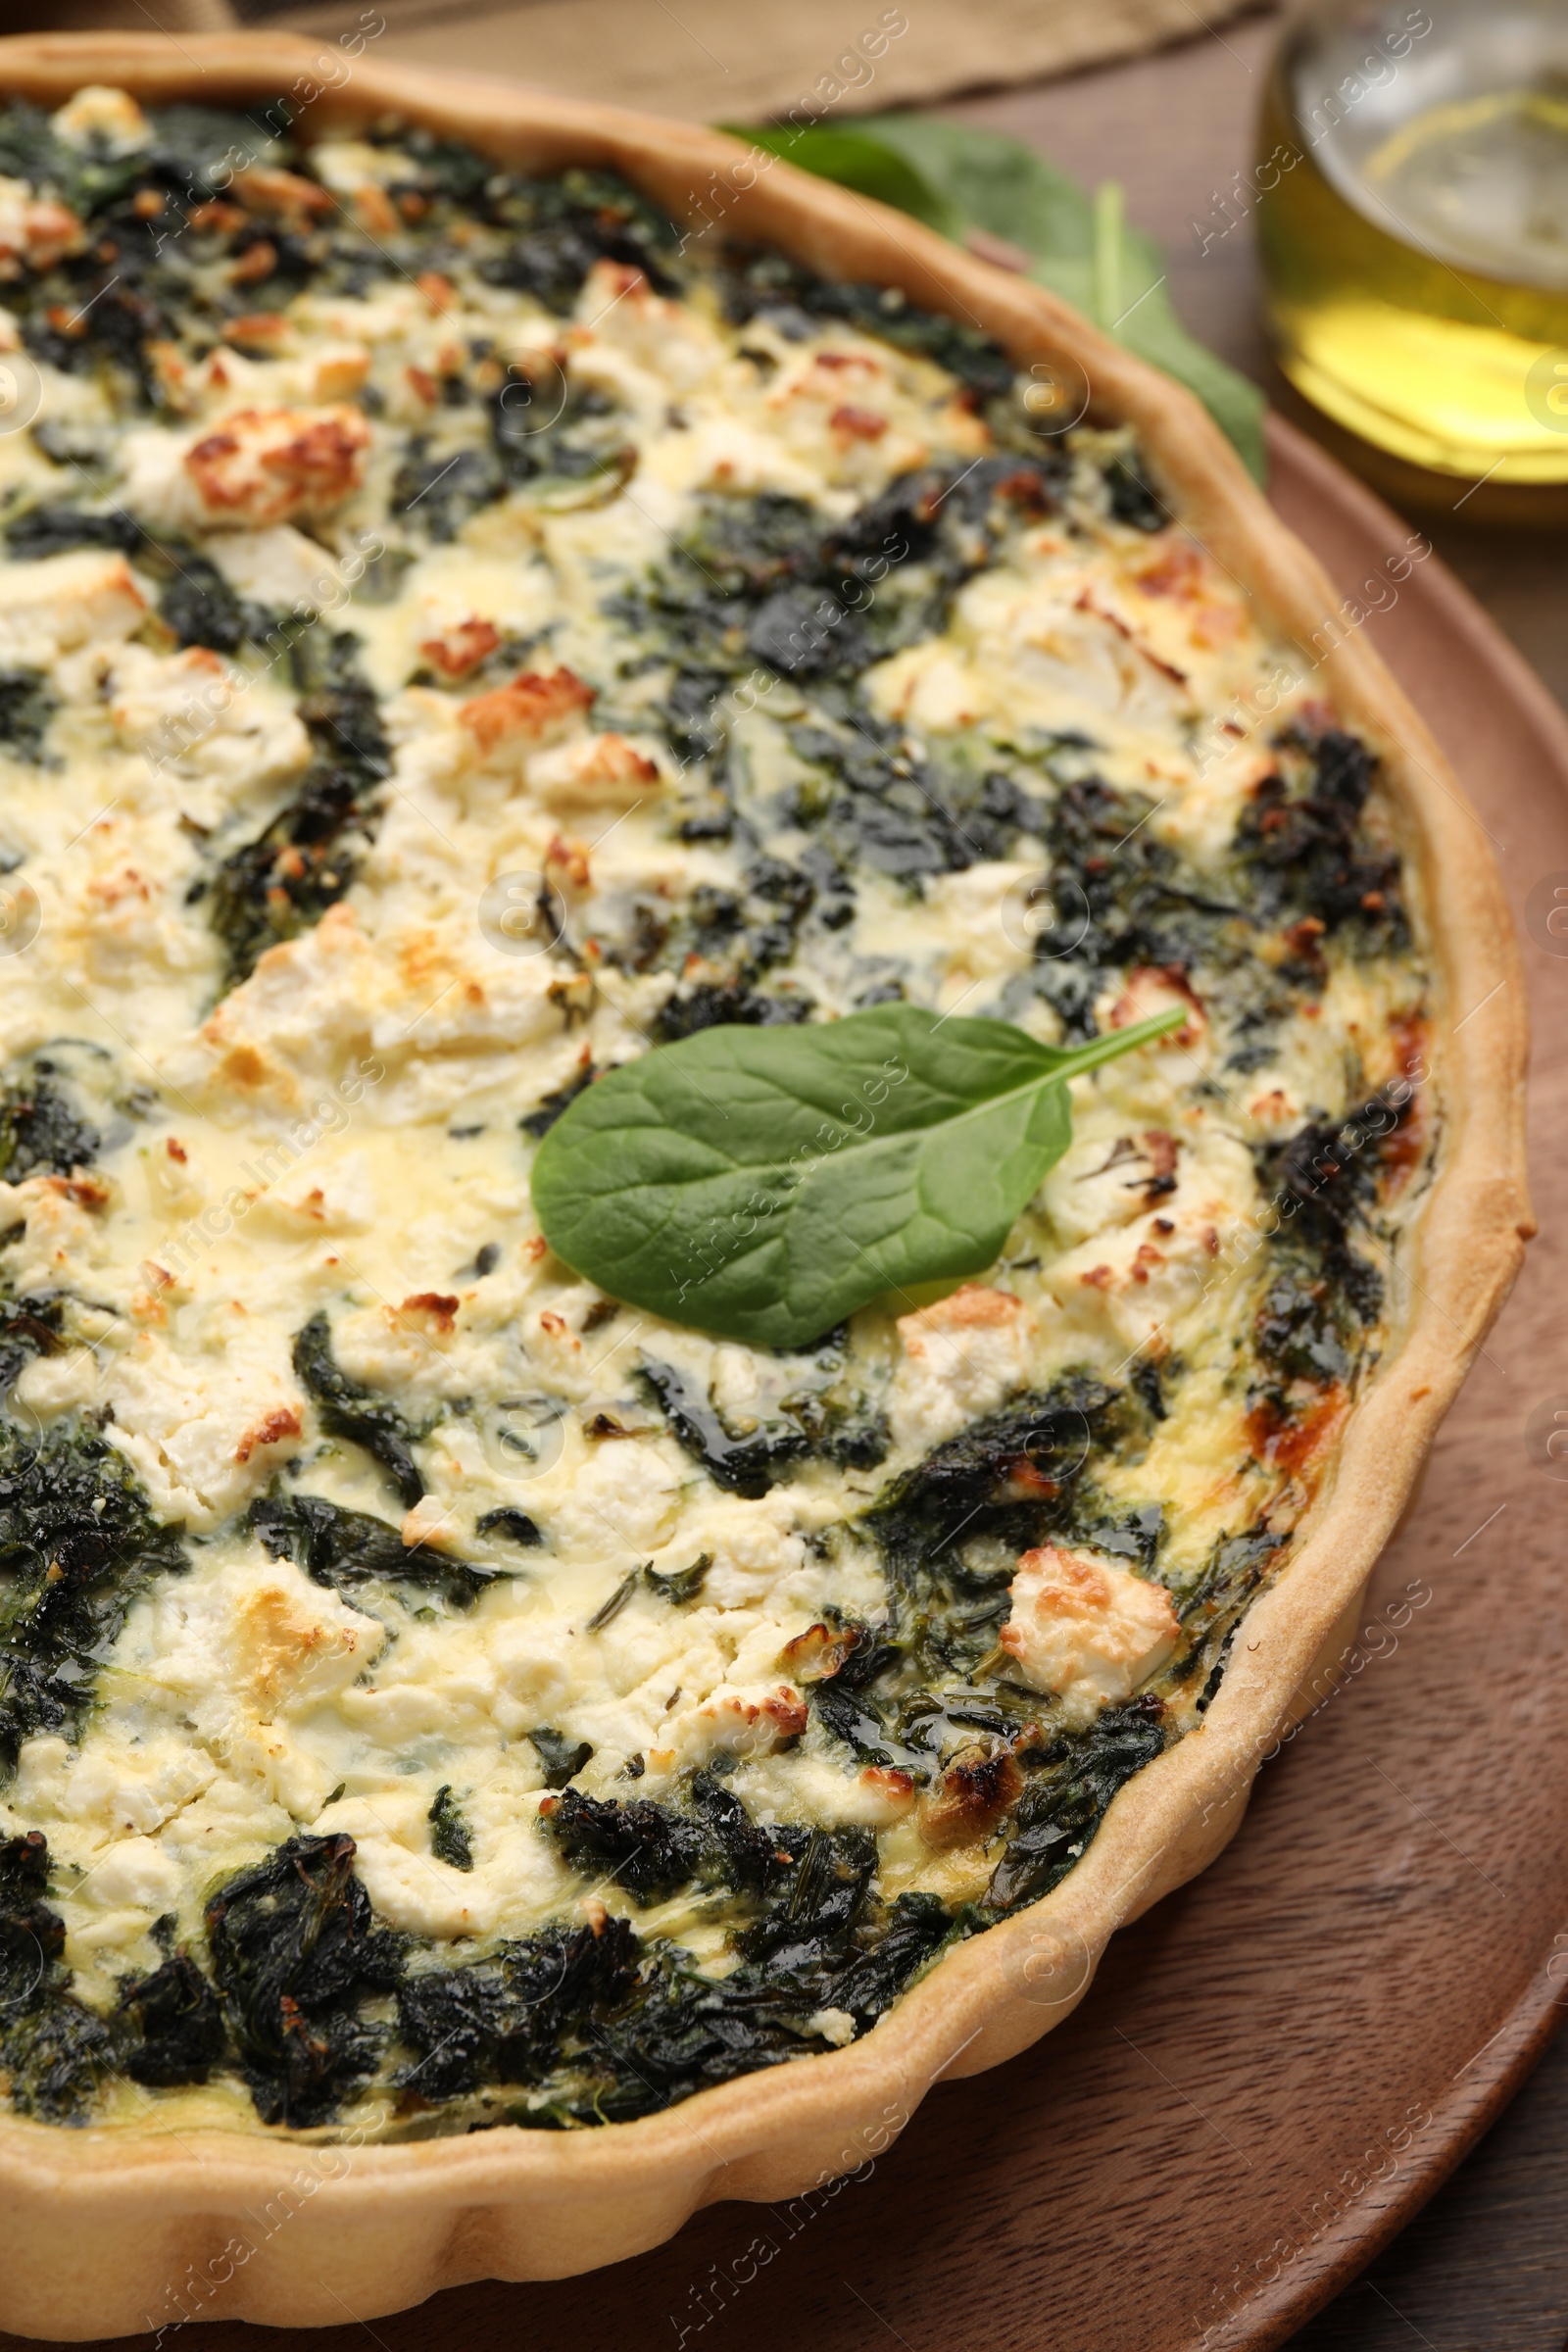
{"type": "Point", "coordinates": [707, 60]}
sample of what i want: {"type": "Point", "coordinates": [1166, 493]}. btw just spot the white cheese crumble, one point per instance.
{"type": "Point", "coordinates": [1085, 1630]}
{"type": "Point", "coordinates": [338, 1133]}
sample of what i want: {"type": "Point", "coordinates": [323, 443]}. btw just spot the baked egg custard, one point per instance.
{"type": "Point", "coordinates": [459, 633]}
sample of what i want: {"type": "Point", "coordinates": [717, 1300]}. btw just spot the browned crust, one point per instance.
{"type": "Point", "coordinates": [105, 2232]}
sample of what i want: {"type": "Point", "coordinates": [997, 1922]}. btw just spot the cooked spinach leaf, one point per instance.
{"type": "Point", "coordinates": [346, 1550]}
{"type": "Point", "coordinates": [746, 1465]}
{"type": "Point", "coordinates": [171, 2024]}
{"type": "Point", "coordinates": [876, 799]}
{"type": "Point", "coordinates": [436, 495]}
{"type": "Point", "coordinates": [561, 1758]}
{"type": "Point", "coordinates": [450, 1838]}
{"type": "Point", "coordinates": [652, 1849]}
{"type": "Point", "coordinates": [902, 1692]}
{"type": "Point", "coordinates": [52, 530]}
{"type": "Point", "coordinates": [829, 1882]}
{"type": "Point", "coordinates": [1212, 1606]}
{"type": "Point", "coordinates": [1011, 1474]}
{"type": "Point", "coordinates": [550, 430]}
{"type": "Point", "coordinates": [202, 609]}
{"type": "Point", "coordinates": [683, 1584]}
{"type": "Point", "coordinates": [1304, 852]}
{"type": "Point", "coordinates": [792, 298]}
{"type": "Point", "coordinates": [645, 1848]}
{"type": "Point", "coordinates": [817, 1940]}
{"type": "Point", "coordinates": [77, 1544]}
{"type": "Point", "coordinates": [1081, 246]}
{"type": "Point", "coordinates": [514, 1525]}
{"type": "Point", "coordinates": [42, 1131]}
{"type": "Point", "coordinates": [27, 704]}
{"type": "Point", "coordinates": [1302, 864]}
{"type": "Point", "coordinates": [1323, 1291]}
{"type": "Point", "coordinates": [565, 224]}
{"type": "Point", "coordinates": [769, 580]}
{"type": "Point", "coordinates": [295, 1954]}
{"type": "Point", "coordinates": [54, 2049]}
{"type": "Point", "coordinates": [29, 1326]}
{"type": "Point", "coordinates": [1067, 1797]}
{"type": "Point", "coordinates": [825, 1944]}
{"type": "Point", "coordinates": [1120, 897]}
{"type": "Point", "coordinates": [349, 1409]}
{"type": "Point", "coordinates": [812, 1420]}
{"type": "Point", "coordinates": [301, 864]}
{"type": "Point", "coordinates": [515, 2016]}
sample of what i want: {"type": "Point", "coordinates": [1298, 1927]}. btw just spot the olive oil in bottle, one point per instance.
{"type": "Point", "coordinates": [1413, 221]}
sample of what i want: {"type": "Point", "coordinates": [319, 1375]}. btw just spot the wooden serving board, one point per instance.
{"type": "Point", "coordinates": [1277, 2066]}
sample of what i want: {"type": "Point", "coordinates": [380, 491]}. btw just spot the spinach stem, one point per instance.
{"type": "Point", "coordinates": [1109, 220]}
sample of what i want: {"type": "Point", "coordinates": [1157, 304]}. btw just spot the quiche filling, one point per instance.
{"type": "Point", "coordinates": [458, 633]}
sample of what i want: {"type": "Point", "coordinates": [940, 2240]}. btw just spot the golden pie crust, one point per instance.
{"type": "Point", "coordinates": [104, 2233]}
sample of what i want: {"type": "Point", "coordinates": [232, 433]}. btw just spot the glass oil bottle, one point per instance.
{"type": "Point", "coordinates": [1413, 221]}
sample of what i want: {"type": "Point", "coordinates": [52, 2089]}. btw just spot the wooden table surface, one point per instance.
{"type": "Point", "coordinates": [1485, 2267]}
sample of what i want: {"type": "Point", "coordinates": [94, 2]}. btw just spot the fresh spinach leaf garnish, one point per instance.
{"type": "Point", "coordinates": [762, 1183]}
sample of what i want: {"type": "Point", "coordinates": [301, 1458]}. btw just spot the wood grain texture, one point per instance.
{"type": "Point", "coordinates": [1231, 2104]}
{"type": "Point", "coordinates": [1486, 2266]}
{"type": "Point", "coordinates": [98, 2234]}
{"type": "Point", "coordinates": [1276, 2065]}
{"type": "Point", "coordinates": [1483, 2268]}
{"type": "Point", "coordinates": [709, 60]}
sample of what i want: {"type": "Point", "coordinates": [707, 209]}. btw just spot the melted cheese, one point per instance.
{"type": "Point", "coordinates": [339, 1131]}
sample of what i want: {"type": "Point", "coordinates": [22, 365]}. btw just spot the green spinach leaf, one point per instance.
{"type": "Point", "coordinates": [956, 179]}
{"type": "Point", "coordinates": [762, 1183]}
{"type": "Point", "coordinates": [872, 166]}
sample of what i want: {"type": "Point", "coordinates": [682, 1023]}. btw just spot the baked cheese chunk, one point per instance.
{"type": "Point", "coordinates": [1086, 1631]}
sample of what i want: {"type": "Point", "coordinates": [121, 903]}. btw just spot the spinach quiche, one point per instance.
{"type": "Point", "coordinates": [477, 622]}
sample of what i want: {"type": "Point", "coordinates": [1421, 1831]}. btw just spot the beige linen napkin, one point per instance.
{"type": "Point", "coordinates": [706, 59]}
